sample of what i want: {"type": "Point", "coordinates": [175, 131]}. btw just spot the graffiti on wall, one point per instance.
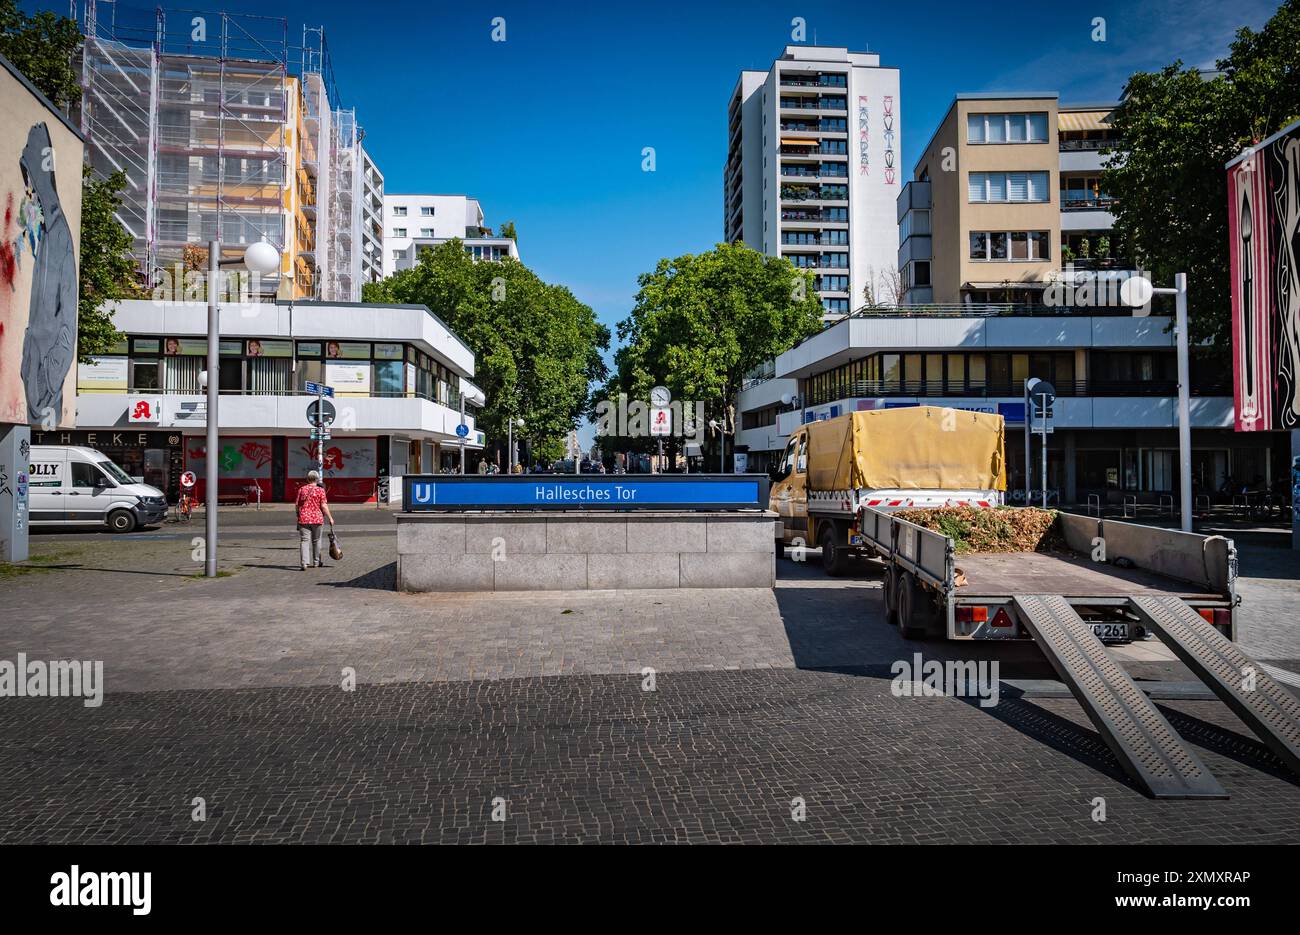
{"type": "Point", "coordinates": [43, 234]}
{"type": "Point", "coordinates": [887, 107]}
{"type": "Point", "coordinates": [864, 135]}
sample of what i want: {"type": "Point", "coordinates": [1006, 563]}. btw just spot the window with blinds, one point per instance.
{"type": "Point", "coordinates": [181, 374]}
{"type": "Point", "coordinates": [271, 375]}
{"type": "Point", "coordinates": [1007, 187]}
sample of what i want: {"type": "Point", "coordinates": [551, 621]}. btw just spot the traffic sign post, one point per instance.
{"type": "Point", "coordinates": [320, 415]}
{"type": "Point", "coordinates": [1039, 397]}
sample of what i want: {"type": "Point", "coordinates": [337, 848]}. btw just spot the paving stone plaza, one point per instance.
{"type": "Point", "coordinates": [771, 716]}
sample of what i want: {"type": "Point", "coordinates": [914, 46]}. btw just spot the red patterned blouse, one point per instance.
{"type": "Point", "coordinates": [310, 498]}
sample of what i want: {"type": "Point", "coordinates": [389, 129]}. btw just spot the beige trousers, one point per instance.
{"type": "Point", "coordinates": [309, 538]}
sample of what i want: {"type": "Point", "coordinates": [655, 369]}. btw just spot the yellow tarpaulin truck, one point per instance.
{"type": "Point", "coordinates": [887, 459]}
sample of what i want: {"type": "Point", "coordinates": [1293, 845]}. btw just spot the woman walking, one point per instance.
{"type": "Point", "coordinates": [311, 505]}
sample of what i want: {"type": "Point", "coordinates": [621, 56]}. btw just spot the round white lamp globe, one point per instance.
{"type": "Point", "coordinates": [262, 258]}
{"type": "Point", "coordinates": [1136, 291]}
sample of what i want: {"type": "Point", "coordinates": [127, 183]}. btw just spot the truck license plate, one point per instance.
{"type": "Point", "coordinates": [1110, 631]}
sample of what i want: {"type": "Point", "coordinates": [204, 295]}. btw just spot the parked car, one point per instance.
{"type": "Point", "coordinates": [75, 486]}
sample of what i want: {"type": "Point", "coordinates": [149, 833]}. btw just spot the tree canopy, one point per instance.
{"type": "Point", "coordinates": [1179, 127]}
{"type": "Point", "coordinates": [703, 321]}
{"type": "Point", "coordinates": [43, 47]}
{"type": "Point", "coordinates": [537, 348]}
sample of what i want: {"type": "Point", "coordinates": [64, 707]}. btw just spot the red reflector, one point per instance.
{"type": "Point", "coordinates": [971, 614]}
{"type": "Point", "coordinates": [1001, 618]}
{"type": "Point", "coordinates": [1223, 618]}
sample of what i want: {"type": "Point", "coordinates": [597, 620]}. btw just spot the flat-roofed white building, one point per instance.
{"type": "Point", "coordinates": [413, 222]}
{"type": "Point", "coordinates": [400, 378]}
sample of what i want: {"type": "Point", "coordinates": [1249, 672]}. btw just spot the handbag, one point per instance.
{"type": "Point", "coordinates": [336, 552]}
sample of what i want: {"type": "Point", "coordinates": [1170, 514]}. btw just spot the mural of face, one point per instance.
{"type": "Point", "coordinates": [50, 344]}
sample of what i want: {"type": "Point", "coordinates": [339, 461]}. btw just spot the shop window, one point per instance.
{"type": "Point", "coordinates": [144, 374]}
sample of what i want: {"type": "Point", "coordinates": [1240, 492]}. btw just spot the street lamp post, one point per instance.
{"type": "Point", "coordinates": [261, 258]}
{"type": "Point", "coordinates": [510, 442]}
{"type": "Point", "coordinates": [1136, 292]}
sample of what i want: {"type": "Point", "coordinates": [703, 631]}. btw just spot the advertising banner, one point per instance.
{"type": "Point", "coordinates": [1264, 247]}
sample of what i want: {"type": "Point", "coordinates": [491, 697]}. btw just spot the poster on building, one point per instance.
{"type": "Point", "coordinates": [348, 379]}
{"type": "Point", "coordinates": [1264, 248]}
{"type": "Point", "coordinates": [102, 375]}
{"type": "Point", "coordinates": [40, 183]}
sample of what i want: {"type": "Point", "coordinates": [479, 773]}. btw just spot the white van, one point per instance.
{"type": "Point", "coordinates": [73, 486]}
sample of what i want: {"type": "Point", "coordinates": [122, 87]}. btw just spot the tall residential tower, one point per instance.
{"type": "Point", "coordinates": [812, 170]}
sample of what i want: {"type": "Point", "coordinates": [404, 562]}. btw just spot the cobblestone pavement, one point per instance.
{"type": "Point", "coordinates": [228, 689]}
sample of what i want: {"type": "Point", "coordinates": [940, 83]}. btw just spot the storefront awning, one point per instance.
{"type": "Point", "coordinates": [1079, 121]}
{"type": "Point", "coordinates": [785, 142]}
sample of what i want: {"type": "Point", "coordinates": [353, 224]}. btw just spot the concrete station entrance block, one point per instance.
{"type": "Point", "coordinates": [585, 550]}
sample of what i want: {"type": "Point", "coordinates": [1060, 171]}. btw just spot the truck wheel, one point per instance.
{"type": "Point", "coordinates": [889, 587]}
{"type": "Point", "coordinates": [121, 521]}
{"type": "Point", "coordinates": [912, 602]}
{"type": "Point", "coordinates": [835, 558]}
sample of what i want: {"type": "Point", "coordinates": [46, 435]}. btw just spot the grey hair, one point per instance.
{"type": "Point", "coordinates": [313, 476]}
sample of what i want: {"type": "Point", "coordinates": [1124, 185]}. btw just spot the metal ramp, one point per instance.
{"type": "Point", "coordinates": [1138, 734]}
{"type": "Point", "coordinates": [1266, 707]}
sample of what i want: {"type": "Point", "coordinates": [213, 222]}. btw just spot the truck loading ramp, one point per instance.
{"type": "Point", "coordinates": [1266, 707]}
{"type": "Point", "coordinates": [1147, 747]}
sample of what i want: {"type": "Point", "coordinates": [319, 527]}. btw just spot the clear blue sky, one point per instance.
{"type": "Point", "coordinates": [547, 128]}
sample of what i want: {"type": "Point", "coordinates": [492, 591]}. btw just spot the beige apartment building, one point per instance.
{"type": "Point", "coordinates": [981, 220]}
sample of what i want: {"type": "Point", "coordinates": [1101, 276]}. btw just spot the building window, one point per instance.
{"type": "Point", "coordinates": [1022, 246]}
{"type": "Point", "coordinates": [426, 211]}
{"type": "Point", "coordinates": [1008, 187]}
{"type": "Point", "coordinates": [399, 211]}
{"type": "Point", "coordinates": [399, 231]}
{"type": "Point", "coordinates": [426, 231]}
{"type": "Point", "coordinates": [1006, 128]}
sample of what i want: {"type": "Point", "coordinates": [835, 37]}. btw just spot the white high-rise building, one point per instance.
{"type": "Point", "coordinates": [812, 170]}
{"type": "Point", "coordinates": [415, 221]}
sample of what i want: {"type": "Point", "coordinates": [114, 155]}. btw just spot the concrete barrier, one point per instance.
{"type": "Point", "coordinates": [581, 550]}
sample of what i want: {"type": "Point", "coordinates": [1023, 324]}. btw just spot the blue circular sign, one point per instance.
{"type": "Point", "coordinates": [462, 430]}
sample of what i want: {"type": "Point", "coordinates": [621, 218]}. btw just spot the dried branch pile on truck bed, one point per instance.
{"type": "Point", "coordinates": [1004, 529]}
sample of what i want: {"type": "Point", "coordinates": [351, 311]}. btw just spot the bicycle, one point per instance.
{"type": "Point", "coordinates": [184, 509]}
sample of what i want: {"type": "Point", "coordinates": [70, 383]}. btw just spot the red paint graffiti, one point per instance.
{"type": "Point", "coordinates": [258, 453]}
{"type": "Point", "coordinates": [8, 260]}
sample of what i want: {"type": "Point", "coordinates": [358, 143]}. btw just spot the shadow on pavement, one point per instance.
{"type": "Point", "coordinates": [1080, 743]}
{"type": "Point", "coordinates": [383, 578]}
{"type": "Point", "coordinates": [1245, 749]}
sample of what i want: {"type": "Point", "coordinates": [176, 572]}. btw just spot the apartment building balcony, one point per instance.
{"type": "Point", "coordinates": [1086, 218]}
{"type": "Point", "coordinates": [915, 247]}
{"type": "Point", "coordinates": [915, 196]}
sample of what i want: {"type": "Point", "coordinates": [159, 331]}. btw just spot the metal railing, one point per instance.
{"type": "Point", "coordinates": [986, 310]}
{"type": "Point", "coordinates": [1072, 146]}
{"type": "Point", "coordinates": [819, 396]}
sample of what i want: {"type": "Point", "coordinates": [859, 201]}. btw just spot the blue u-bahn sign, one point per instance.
{"type": "Point", "coordinates": [440, 492]}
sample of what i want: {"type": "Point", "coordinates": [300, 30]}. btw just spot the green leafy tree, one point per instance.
{"type": "Point", "coordinates": [508, 230]}
{"type": "Point", "coordinates": [1179, 127]}
{"type": "Point", "coordinates": [701, 322]}
{"type": "Point", "coordinates": [44, 48]}
{"type": "Point", "coordinates": [107, 271]}
{"type": "Point", "coordinates": [537, 348]}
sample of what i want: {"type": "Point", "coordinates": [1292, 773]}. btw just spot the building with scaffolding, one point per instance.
{"type": "Point", "coordinates": [224, 130]}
